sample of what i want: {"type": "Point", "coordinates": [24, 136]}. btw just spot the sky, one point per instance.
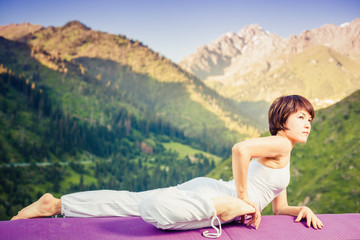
{"type": "Point", "coordinates": [177, 28]}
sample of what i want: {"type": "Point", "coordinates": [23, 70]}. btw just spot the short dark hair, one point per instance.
{"type": "Point", "coordinates": [283, 107]}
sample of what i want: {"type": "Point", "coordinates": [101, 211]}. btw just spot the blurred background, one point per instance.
{"type": "Point", "coordinates": [138, 94]}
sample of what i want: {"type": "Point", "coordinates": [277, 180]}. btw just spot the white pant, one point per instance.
{"type": "Point", "coordinates": [186, 206]}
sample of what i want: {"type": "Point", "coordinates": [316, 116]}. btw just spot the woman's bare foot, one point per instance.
{"type": "Point", "coordinates": [46, 206]}
{"type": "Point", "coordinates": [228, 208]}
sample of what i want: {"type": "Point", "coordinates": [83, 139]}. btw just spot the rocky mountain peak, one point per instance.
{"type": "Point", "coordinates": [76, 24]}
{"type": "Point", "coordinates": [220, 53]}
{"type": "Point", "coordinates": [344, 39]}
{"type": "Point", "coordinates": [18, 31]}
{"type": "Point", "coordinates": [250, 31]}
{"type": "Point", "coordinates": [229, 44]}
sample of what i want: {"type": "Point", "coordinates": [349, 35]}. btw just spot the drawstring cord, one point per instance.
{"type": "Point", "coordinates": [218, 230]}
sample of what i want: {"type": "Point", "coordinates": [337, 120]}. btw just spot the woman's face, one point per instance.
{"type": "Point", "coordinates": [299, 126]}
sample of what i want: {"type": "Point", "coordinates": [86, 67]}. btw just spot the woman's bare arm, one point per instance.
{"type": "Point", "coordinates": [267, 147]}
{"type": "Point", "coordinates": [281, 207]}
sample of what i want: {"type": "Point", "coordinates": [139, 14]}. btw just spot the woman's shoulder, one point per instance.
{"type": "Point", "coordinates": [271, 140]}
{"type": "Point", "coordinates": [280, 142]}
{"type": "Point", "coordinates": [272, 146]}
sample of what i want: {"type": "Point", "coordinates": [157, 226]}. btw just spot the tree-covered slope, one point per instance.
{"type": "Point", "coordinates": [324, 171]}
{"type": "Point", "coordinates": [43, 149]}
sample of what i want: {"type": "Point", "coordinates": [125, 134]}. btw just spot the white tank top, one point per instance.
{"type": "Point", "coordinates": [264, 183]}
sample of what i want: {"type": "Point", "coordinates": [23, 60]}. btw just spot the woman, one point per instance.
{"type": "Point", "coordinates": [199, 202]}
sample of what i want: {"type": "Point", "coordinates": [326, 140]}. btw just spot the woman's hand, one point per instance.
{"type": "Point", "coordinates": [255, 217]}
{"type": "Point", "coordinates": [311, 218]}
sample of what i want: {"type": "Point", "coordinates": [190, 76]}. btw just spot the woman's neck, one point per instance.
{"type": "Point", "coordinates": [283, 134]}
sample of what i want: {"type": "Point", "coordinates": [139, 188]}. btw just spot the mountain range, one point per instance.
{"type": "Point", "coordinates": [134, 70]}
{"type": "Point", "coordinates": [323, 64]}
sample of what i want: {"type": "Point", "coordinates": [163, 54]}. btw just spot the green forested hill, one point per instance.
{"type": "Point", "coordinates": [148, 79]}
{"type": "Point", "coordinates": [326, 170]}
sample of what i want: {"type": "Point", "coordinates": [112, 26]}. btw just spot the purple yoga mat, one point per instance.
{"type": "Point", "coordinates": [337, 226]}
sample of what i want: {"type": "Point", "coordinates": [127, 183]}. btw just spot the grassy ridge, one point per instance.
{"type": "Point", "coordinates": [75, 41]}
